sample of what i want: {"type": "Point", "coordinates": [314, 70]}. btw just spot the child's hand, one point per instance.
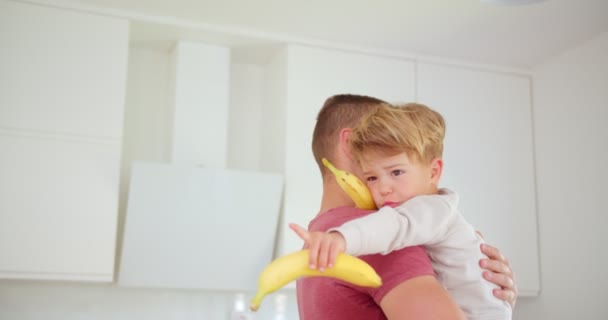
{"type": "Point", "coordinates": [324, 247]}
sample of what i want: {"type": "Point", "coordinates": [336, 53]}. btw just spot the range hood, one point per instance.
{"type": "Point", "coordinates": [192, 223]}
{"type": "Point", "coordinates": [197, 228]}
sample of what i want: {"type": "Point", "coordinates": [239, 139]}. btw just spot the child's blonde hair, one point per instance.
{"type": "Point", "coordinates": [412, 128]}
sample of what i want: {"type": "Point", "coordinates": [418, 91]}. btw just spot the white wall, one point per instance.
{"type": "Point", "coordinates": [147, 120]}
{"type": "Point", "coordinates": [571, 113]}
{"type": "Point", "coordinates": [246, 100]}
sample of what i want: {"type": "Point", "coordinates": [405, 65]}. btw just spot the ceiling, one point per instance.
{"type": "Point", "coordinates": [513, 36]}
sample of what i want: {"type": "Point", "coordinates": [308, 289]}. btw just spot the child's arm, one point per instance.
{"type": "Point", "coordinates": [420, 220]}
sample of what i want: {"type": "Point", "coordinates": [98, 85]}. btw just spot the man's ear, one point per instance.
{"type": "Point", "coordinates": [436, 170]}
{"type": "Point", "coordinates": [343, 144]}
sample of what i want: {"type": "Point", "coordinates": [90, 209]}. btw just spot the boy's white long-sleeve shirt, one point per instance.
{"type": "Point", "coordinates": [451, 242]}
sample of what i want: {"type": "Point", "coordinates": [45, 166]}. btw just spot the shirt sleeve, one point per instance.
{"type": "Point", "coordinates": [397, 267]}
{"type": "Point", "coordinates": [420, 220]}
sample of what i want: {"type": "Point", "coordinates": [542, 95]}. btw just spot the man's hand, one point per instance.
{"type": "Point", "coordinates": [498, 271]}
{"type": "Point", "coordinates": [324, 247]}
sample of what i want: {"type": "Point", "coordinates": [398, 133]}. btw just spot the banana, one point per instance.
{"type": "Point", "coordinates": [353, 186]}
{"type": "Point", "coordinates": [289, 267]}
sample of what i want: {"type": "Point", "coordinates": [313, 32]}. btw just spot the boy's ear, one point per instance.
{"type": "Point", "coordinates": [436, 170]}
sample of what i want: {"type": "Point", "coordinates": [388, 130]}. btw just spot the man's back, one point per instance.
{"type": "Point", "coordinates": [322, 298]}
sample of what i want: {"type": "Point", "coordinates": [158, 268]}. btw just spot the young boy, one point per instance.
{"type": "Point", "coordinates": [400, 152]}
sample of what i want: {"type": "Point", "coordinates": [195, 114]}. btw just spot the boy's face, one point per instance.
{"type": "Point", "coordinates": [394, 179]}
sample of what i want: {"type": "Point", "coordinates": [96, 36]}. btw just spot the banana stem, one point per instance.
{"type": "Point", "coordinates": [329, 165]}
{"type": "Point", "coordinates": [254, 305]}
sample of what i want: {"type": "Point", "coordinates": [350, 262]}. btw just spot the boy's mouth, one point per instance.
{"type": "Point", "coordinates": [391, 204]}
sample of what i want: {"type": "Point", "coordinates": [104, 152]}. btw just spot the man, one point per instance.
{"type": "Point", "coordinates": [410, 289]}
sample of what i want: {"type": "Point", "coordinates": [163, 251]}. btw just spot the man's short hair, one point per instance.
{"type": "Point", "coordinates": [339, 112]}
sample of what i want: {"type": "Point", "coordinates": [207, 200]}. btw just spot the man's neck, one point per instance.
{"type": "Point", "coordinates": [333, 196]}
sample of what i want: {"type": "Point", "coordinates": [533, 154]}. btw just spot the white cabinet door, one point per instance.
{"type": "Point", "coordinates": [62, 85]}
{"type": "Point", "coordinates": [58, 207]}
{"type": "Point", "coordinates": [62, 71]}
{"type": "Point", "coordinates": [313, 75]}
{"type": "Point", "coordinates": [489, 157]}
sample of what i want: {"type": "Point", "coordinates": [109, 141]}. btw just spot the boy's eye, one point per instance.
{"type": "Point", "coordinates": [372, 178]}
{"type": "Point", "coordinates": [397, 172]}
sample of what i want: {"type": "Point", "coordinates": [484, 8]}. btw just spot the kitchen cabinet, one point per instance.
{"type": "Point", "coordinates": [489, 157]}
{"type": "Point", "coordinates": [58, 208]}
{"type": "Point", "coordinates": [62, 90]}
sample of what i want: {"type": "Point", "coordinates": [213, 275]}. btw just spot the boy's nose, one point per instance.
{"type": "Point", "coordinates": [385, 189]}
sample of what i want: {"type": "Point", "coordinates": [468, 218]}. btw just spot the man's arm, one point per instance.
{"type": "Point", "coordinates": [420, 298]}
